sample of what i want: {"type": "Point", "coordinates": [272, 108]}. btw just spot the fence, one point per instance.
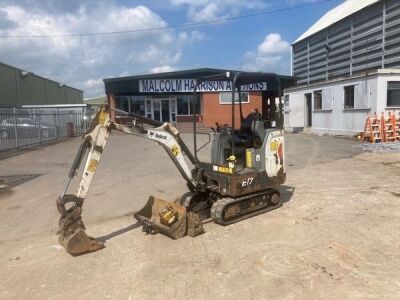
{"type": "Point", "coordinates": [21, 128]}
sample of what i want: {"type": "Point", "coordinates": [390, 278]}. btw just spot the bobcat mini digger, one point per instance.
{"type": "Point", "coordinates": [247, 166]}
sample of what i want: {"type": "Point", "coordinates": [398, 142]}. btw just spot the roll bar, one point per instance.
{"type": "Point", "coordinates": [238, 79]}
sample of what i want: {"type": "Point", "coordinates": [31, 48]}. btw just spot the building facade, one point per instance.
{"type": "Point", "coordinates": [19, 87]}
{"type": "Point", "coordinates": [347, 65]}
{"type": "Point", "coordinates": [167, 97]}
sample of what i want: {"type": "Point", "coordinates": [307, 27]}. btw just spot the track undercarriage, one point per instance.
{"type": "Point", "coordinates": [195, 208]}
{"type": "Point", "coordinates": [227, 211]}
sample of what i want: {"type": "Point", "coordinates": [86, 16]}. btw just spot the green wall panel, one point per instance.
{"type": "Point", "coordinates": [33, 90]}
{"type": "Point", "coordinates": [8, 86]}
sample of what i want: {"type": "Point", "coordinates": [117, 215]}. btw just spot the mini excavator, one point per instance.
{"type": "Point", "coordinates": [241, 181]}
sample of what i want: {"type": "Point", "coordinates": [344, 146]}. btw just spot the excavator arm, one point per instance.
{"type": "Point", "coordinates": [72, 235]}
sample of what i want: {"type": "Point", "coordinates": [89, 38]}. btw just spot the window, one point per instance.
{"type": "Point", "coordinates": [137, 105]}
{"type": "Point", "coordinates": [349, 96]}
{"type": "Point", "coordinates": [198, 104]}
{"type": "Point", "coordinates": [134, 104]}
{"type": "Point", "coordinates": [185, 105]}
{"type": "Point", "coordinates": [122, 103]}
{"type": "Point", "coordinates": [393, 93]}
{"type": "Point", "coordinates": [317, 100]}
{"type": "Point", "coordinates": [226, 97]}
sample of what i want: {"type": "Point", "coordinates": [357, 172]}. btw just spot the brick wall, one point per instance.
{"type": "Point", "coordinates": [183, 119]}
{"type": "Point", "coordinates": [213, 111]}
{"type": "Point", "coordinates": [222, 113]}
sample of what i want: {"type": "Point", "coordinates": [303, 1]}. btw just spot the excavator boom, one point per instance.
{"type": "Point", "coordinates": [72, 235]}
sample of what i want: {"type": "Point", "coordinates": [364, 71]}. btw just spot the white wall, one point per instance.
{"type": "Point", "coordinates": [370, 97]}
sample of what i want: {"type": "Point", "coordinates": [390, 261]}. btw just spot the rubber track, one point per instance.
{"type": "Point", "coordinates": [219, 206]}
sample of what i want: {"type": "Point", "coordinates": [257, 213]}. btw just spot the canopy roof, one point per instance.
{"type": "Point", "coordinates": [243, 78]}
{"type": "Point", "coordinates": [130, 85]}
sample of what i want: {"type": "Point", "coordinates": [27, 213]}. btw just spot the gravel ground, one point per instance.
{"type": "Point", "coordinates": [380, 147]}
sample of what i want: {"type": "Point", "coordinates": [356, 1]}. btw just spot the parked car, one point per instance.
{"type": "Point", "coordinates": [26, 128]}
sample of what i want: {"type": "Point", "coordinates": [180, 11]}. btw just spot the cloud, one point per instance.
{"type": "Point", "coordinates": [84, 61]}
{"type": "Point", "coordinates": [55, 7]}
{"type": "Point", "coordinates": [206, 10]}
{"type": "Point", "coordinates": [5, 22]}
{"type": "Point", "coordinates": [197, 36]}
{"type": "Point", "coordinates": [96, 86]}
{"type": "Point", "coordinates": [272, 55]}
{"type": "Point", "coordinates": [194, 36]}
{"type": "Point", "coordinates": [273, 44]}
{"type": "Point", "coordinates": [161, 69]}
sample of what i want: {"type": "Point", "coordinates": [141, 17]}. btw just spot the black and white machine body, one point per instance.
{"type": "Point", "coordinates": [241, 180]}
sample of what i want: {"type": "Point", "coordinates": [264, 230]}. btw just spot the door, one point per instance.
{"type": "Point", "coordinates": [296, 110]}
{"type": "Point", "coordinates": [161, 109]}
{"type": "Point", "coordinates": [156, 110]}
{"type": "Point", "coordinates": [149, 109]}
{"type": "Point", "coordinates": [165, 112]}
{"type": "Point", "coordinates": [309, 109]}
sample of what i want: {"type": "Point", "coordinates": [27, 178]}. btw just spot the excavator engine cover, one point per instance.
{"type": "Point", "coordinates": [168, 218]}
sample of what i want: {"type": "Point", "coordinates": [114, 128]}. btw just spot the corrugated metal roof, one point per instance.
{"type": "Point", "coordinates": [333, 16]}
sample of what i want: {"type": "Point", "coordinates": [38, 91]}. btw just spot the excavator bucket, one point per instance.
{"type": "Point", "coordinates": [79, 243]}
{"type": "Point", "coordinates": [72, 229]}
{"type": "Point", "coordinates": [168, 218]}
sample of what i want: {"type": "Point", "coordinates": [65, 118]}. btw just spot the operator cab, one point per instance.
{"type": "Point", "coordinates": [251, 135]}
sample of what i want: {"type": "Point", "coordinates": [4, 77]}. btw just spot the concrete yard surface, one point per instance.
{"type": "Point", "coordinates": [335, 237]}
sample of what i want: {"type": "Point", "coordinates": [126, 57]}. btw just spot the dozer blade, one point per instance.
{"type": "Point", "coordinates": [72, 230]}
{"type": "Point", "coordinates": [157, 213]}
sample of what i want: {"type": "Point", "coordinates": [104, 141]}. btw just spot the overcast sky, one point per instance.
{"type": "Point", "coordinates": [259, 43]}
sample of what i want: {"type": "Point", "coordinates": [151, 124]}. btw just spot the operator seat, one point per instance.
{"type": "Point", "coordinates": [251, 131]}
{"type": "Point", "coordinates": [258, 132]}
